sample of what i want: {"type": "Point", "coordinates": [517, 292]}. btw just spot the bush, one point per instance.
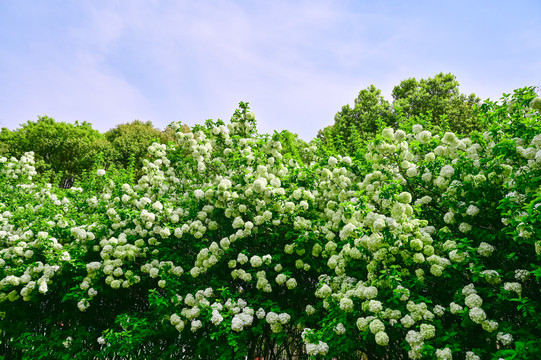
{"type": "Point", "coordinates": [226, 248]}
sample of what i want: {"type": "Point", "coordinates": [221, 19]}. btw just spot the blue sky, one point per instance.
{"type": "Point", "coordinates": [296, 62]}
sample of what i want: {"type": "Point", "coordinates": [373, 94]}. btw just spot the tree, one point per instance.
{"type": "Point", "coordinates": [370, 110]}
{"type": "Point", "coordinates": [57, 146]}
{"type": "Point", "coordinates": [438, 96]}
{"type": "Point", "coordinates": [436, 100]}
{"type": "Point", "coordinates": [133, 139]}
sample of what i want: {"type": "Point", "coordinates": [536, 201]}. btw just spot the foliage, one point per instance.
{"type": "Point", "coordinates": [426, 246]}
{"type": "Point", "coordinates": [436, 99]}
{"type": "Point", "coordinates": [60, 147]}
{"type": "Point", "coordinates": [369, 110]}
{"type": "Point", "coordinates": [439, 96]}
{"type": "Point", "coordinates": [132, 140]}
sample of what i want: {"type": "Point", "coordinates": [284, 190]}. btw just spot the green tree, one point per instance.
{"type": "Point", "coordinates": [369, 111]}
{"type": "Point", "coordinates": [58, 146]}
{"type": "Point", "coordinates": [440, 97]}
{"type": "Point", "coordinates": [133, 139]}
{"type": "Point", "coordinates": [436, 102]}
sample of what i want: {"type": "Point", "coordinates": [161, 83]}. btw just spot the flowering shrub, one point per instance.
{"type": "Point", "coordinates": [227, 247]}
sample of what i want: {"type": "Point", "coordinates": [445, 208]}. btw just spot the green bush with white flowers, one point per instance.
{"type": "Point", "coordinates": [428, 246]}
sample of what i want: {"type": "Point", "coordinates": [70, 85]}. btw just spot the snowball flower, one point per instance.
{"type": "Point", "coordinates": [471, 356]}
{"type": "Point", "coordinates": [291, 283]}
{"type": "Point", "coordinates": [513, 287]}
{"type": "Point", "coordinates": [447, 171]}
{"type": "Point", "coordinates": [375, 306]}
{"type": "Point", "coordinates": [196, 324]}
{"type": "Point", "coordinates": [428, 331]}
{"type": "Point", "coordinates": [505, 339]}
{"type": "Point", "coordinates": [464, 227]}
{"type": "Point", "coordinates": [444, 354]}
{"type": "Point", "coordinates": [280, 279]}
{"type": "Point", "coordinates": [256, 261]}
{"type": "Point", "coordinates": [320, 348]}
{"type": "Point", "coordinates": [455, 308]}
{"type": "Point", "coordinates": [472, 210]}
{"type": "Point", "coordinates": [399, 135]}
{"type": "Point", "coordinates": [324, 292]}
{"type": "Point", "coordinates": [216, 318]}
{"type": "Point", "coordinates": [477, 315]}
{"type": "Point", "coordinates": [346, 304]}
{"type": "Point", "coordinates": [473, 301]}
{"type": "Point", "coordinates": [489, 325]}
{"type": "Point", "coordinates": [424, 136]}
{"type": "Point", "coordinates": [404, 197]}
{"type": "Point", "coordinates": [340, 329]}
{"type": "Point", "coordinates": [376, 326]}
{"type": "Point", "coordinates": [485, 249]}
{"type": "Point", "coordinates": [242, 258]}
{"type": "Point", "coordinates": [101, 172]}
{"type": "Point", "coordinates": [332, 161]}
{"type": "Point", "coordinates": [382, 338]}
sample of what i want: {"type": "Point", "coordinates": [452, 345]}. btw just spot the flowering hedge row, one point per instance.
{"type": "Point", "coordinates": [427, 247]}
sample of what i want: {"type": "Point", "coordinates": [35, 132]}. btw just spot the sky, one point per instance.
{"type": "Point", "coordinates": [296, 62]}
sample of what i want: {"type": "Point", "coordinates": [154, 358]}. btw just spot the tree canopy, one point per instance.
{"type": "Point", "coordinates": [436, 99]}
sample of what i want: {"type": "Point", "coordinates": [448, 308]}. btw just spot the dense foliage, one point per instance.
{"type": "Point", "coordinates": [64, 151]}
{"type": "Point", "coordinates": [227, 246]}
{"type": "Point", "coordinates": [436, 99]}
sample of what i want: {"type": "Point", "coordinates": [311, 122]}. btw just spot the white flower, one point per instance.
{"type": "Point", "coordinates": [199, 194]}
{"type": "Point", "coordinates": [332, 161]}
{"type": "Point", "coordinates": [375, 306]}
{"type": "Point", "coordinates": [473, 301]}
{"type": "Point", "coordinates": [101, 172]}
{"type": "Point", "coordinates": [505, 339]}
{"type": "Point", "coordinates": [522, 275]}
{"type": "Point", "coordinates": [428, 331]}
{"type": "Point", "coordinates": [242, 258]}
{"type": "Point", "coordinates": [260, 313]}
{"type": "Point", "coordinates": [464, 227]}
{"type": "Point", "coordinates": [455, 308]}
{"type": "Point", "coordinates": [513, 286]}
{"type": "Point", "coordinates": [444, 354]}
{"type": "Point", "coordinates": [417, 128]}
{"type": "Point", "coordinates": [280, 279]}
{"type": "Point", "coordinates": [471, 356]}
{"type": "Point", "coordinates": [324, 292]}
{"type": "Point", "coordinates": [340, 329]}
{"type": "Point", "coordinates": [196, 324]}
{"type": "Point", "coordinates": [382, 338]}
{"type": "Point", "coordinates": [346, 304]}
{"type": "Point", "coordinates": [424, 136]}
{"type": "Point", "coordinates": [490, 325]}
{"type": "Point", "coordinates": [291, 283]}
{"type": "Point", "coordinates": [376, 326]}
{"type": "Point", "coordinates": [477, 315]}
{"type": "Point", "coordinates": [399, 135]}
{"type": "Point", "coordinates": [485, 249]}
{"type": "Point", "coordinates": [216, 318]}
{"type": "Point", "coordinates": [447, 171]}
{"type": "Point", "coordinates": [256, 261]}
{"type": "Point", "coordinates": [472, 210]}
